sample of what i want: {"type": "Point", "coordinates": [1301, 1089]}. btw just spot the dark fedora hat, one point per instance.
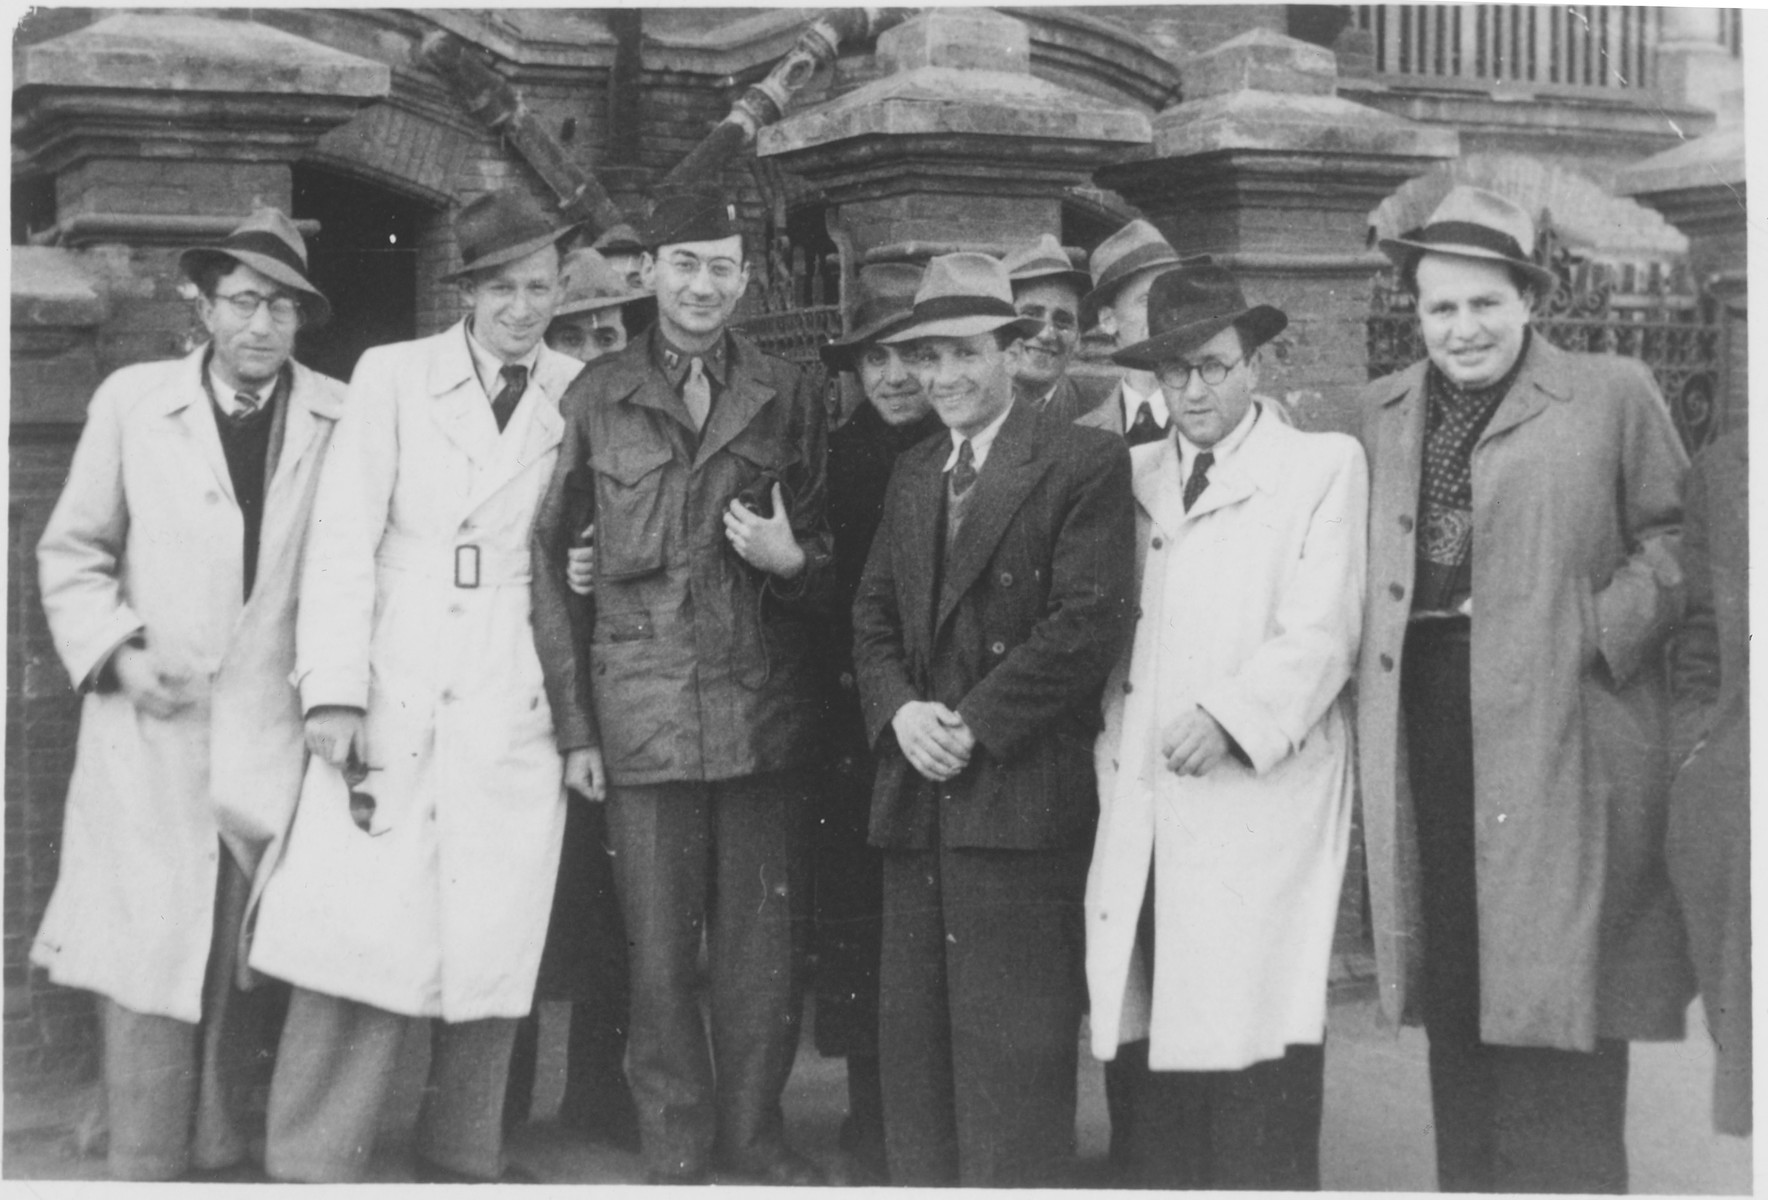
{"type": "Point", "coordinates": [962, 295]}
{"type": "Point", "coordinates": [1474, 223]}
{"type": "Point", "coordinates": [268, 243]}
{"type": "Point", "coordinates": [502, 227]}
{"type": "Point", "coordinates": [1191, 304]}
{"type": "Point", "coordinates": [883, 300]}
{"type": "Point", "coordinates": [690, 214]}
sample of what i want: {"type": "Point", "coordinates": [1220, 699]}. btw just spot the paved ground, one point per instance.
{"type": "Point", "coordinates": [1376, 1135]}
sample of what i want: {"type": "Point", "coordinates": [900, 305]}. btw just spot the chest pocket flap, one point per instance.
{"type": "Point", "coordinates": [631, 515]}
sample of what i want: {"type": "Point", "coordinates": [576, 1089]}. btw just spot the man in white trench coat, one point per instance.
{"type": "Point", "coordinates": [1225, 762]}
{"type": "Point", "coordinates": [425, 894]}
{"type": "Point", "coordinates": [168, 572]}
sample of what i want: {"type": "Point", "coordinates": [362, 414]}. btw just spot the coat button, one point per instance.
{"type": "Point", "coordinates": [455, 610]}
{"type": "Point", "coordinates": [1138, 614]}
{"type": "Point", "coordinates": [1158, 543]}
{"type": "Point", "coordinates": [1128, 687]}
{"type": "Point", "coordinates": [1405, 522]}
{"type": "Point", "coordinates": [448, 695]}
{"type": "Point", "coordinates": [1006, 579]}
{"type": "Point", "coordinates": [1387, 662]}
{"type": "Point", "coordinates": [212, 497]}
{"type": "Point", "coordinates": [998, 648]}
{"type": "Point", "coordinates": [1396, 591]}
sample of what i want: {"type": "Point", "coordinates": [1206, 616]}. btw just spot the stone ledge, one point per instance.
{"type": "Point", "coordinates": [197, 54]}
{"type": "Point", "coordinates": [1716, 160]}
{"type": "Point", "coordinates": [51, 288]}
{"type": "Point", "coordinates": [1255, 120]}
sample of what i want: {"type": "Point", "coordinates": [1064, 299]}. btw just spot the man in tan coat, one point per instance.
{"type": "Point", "coordinates": [168, 571]}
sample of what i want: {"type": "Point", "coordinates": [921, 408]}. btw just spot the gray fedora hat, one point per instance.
{"type": "Point", "coordinates": [1474, 223]}
{"type": "Point", "coordinates": [1045, 259]}
{"type": "Point", "coordinates": [1191, 304]}
{"type": "Point", "coordinates": [268, 243]}
{"type": "Point", "coordinates": [1136, 247]}
{"type": "Point", "coordinates": [883, 301]}
{"type": "Point", "coordinates": [589, 283]}
{"type": "Point", "coordinates": [501, 227]}
{"type": "Point", "coordinates": [962, 295]}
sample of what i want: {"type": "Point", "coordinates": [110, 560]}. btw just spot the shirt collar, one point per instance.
{"type": "Point", "coordinates": [979, 445]}
{"type": "Point", "coordinates": [1223, 450]}
{"type": "Point", "coordinates": [490, 367]}
{"type": "Point", "coordinates": [675, 362]}
{"type": "Point", "coordinates": [1132, 400]}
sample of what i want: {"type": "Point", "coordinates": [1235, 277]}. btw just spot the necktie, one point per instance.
{"type": "Point", "coordinates": [964, 473]}
{"type": "Point", "coordinates": [247, 408]}
{"type": "Point", "coordinates": [1199, 478]}
{"type": "Point", "coordinates": [696, 392]}
{"type": "Point", "coordinates": [1144, 428]}
{"type": "Point", "coordinates": [515, 382]}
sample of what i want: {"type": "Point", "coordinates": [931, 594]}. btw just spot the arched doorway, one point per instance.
{"type": "Point", "coordinates": [364, 260]}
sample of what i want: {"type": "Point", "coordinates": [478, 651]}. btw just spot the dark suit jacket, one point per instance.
{"type": "Point", "coordinates": [1018, 638]}
{"type": "Point", "coordinates": [1074, 397]}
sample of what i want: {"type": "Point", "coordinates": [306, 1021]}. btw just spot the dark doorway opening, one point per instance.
{"type": "Point", "coordinates": [365, 261]}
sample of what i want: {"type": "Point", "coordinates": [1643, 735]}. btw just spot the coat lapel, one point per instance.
{"type": "Point", "coordinates": [1541, 379]}
{"type": "Point", "coordinates": [744, 395]}
{"type": "Point", "coordinates": [1396, 445]}
{"type": "Point", "coordinates": [1012, 470]}
{"type": "Point", "coordinates": [1154, 478]}
{"type": "Point", "coordinates": [460, 409]}
{"type": "Point", "coordinates": [922, 511]}
{"type": "Point", "coordinates": [187, 404]}
{"type": "Point", "coordinates": [535, 427]}
{"type": "Point", "coordinates": [1248, 469]}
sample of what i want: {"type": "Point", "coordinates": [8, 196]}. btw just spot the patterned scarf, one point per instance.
{"type": "Point", "coordinates": [1455, 417]}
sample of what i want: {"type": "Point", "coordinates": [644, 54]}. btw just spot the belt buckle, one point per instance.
{"type": "Point", "coordinates": [466, 566]}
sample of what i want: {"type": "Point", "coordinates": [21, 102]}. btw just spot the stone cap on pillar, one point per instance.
{"type": "Point", "coordinates": [963, 76]}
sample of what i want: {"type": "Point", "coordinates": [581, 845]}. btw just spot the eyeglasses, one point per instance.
{"type": "Point", "coordinates": [284, 310]}
{"type": "Point", "coordinates": [1177, 374]}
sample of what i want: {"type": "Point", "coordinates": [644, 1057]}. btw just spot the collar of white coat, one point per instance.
{"type": "Point", "coordinates": [1223, 450]}
{"type": "Point", "coordinates": [307, 389]}
{"type": "Point", "coordinates": [1155, 476]}
{"type": "Point", "coordinates": [453, 364]}
{"type": "Point", "coordinates": [980, 444]}
{"type": "Point", "coordinates": [489, 367]}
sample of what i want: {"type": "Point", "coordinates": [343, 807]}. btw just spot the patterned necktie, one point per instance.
{"type": "Point", "coordinates": [1144, 428]}
{"type": "Point", "coordinates": [248, 407]}
{"type": "Point", "coordinates": [1199, 478]}
{"type": "Point", "coordinates": [696, 392]}
{"type": "Point", "coordinates": [515, 382]}
{"type": "Point", "coordinates": [964, 473]}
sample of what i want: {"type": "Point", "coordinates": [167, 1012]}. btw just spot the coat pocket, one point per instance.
{"type": "Point", "coordinates": [630, 511]}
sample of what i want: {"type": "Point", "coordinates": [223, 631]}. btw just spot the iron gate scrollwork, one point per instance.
{"type": "Point", "coordinates": [1643, 311]}
{"type": "Point", "coordinates": [800, 285]}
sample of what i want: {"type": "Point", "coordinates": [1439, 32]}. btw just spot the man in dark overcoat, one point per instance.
{"type": "Point", "coordinates": [993, 605]}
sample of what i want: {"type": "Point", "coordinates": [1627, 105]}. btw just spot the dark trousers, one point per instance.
{"type": "Point", "coordinates": [1508, 1118]}
{"type": "Point", "coordinates": [1255, 1128]}
{"type": "Point", "coordinates": [980, 1015]}
{"type": "Point", "coordinates": [180, 1095]}
{"type": "Point", "coordinates": [585, 962]}
{"type": "Point", "coordinates": [728, 860]}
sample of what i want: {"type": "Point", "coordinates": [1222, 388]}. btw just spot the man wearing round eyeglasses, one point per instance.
{"type": "Point", "coordinates": [168, 574]}
{"type": "Point", "coordinates": [1225, 764]}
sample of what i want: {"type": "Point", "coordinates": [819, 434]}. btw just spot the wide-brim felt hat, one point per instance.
{"type": "Point", "coordinates": [883, 301]}
{"type": "Point", "coordinates": [1046, 259]}
{"type": "Point", "coordinates": [589, 283]}
{"type": "Point", "coordinates": [1474, 223]}
{"type": "Point", "coordinates": [268, 243]}
{"type": "Point", "coordinates": [1191, 304]}
{"type": "Point", "coordinates": [500, 227]}
{"type": "Point", "coordinates": [960, 296]}
{"type": "Point", "coordinates": [1135, 248]}
{"type": "Point", "coordinates": [619, 239]}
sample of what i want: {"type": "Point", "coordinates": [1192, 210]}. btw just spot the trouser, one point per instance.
{"type": "Point", "coordinates": [980, 1007]}
{"type": "Point", "coordinates": [335, 1069]}
{"type": "Point", "coordinates": [1508, 1118]}
{"type": "Point", "coordinates": [181, 1095]}
{"type": "Point", "coordinates": [729, 859]}
{"type": "Point", "coordinates": [1255, 1128]}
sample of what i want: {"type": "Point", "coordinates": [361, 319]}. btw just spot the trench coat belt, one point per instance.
{"type": "Point", "coordinates": [463, 564]}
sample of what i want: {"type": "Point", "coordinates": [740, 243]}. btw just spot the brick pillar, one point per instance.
{"type": "Point", "coordinates": [956, 143]}
{"type": "Point", "coordinates": [164, 130]}
{"type": "Point", "coordinates": [159, 131]}
{"type": "Point", "coordinates": [1266, 168]}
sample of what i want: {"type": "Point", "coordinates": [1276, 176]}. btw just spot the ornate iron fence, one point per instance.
{"type": "Point", "coordinates": [1595, 309]}
{"type": "Point", "coordinates": [796, 333]}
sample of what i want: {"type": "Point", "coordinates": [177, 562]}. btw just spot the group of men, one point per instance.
{"type": "Point", "coordinates": [1029, 696]}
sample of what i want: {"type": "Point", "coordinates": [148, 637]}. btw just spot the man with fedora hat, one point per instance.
{"type": "Point", "coordinates": [423, 896]}
{"type": "Point", "coordinates": [700, 461]}
{"type": "Point", "coordinates": [625, 252]}
{"type": "Point", "coordinates": [1124, 266]}
{"type": "Point", "coordinates": [1525, 521]}
{"type": "Point", "coordinates": [168, 573]}
{"type": "Point", "coordinates": [1225, 764]}
{"type": "Point", "coordinates": [993, 604]}
{"type": "Point", "coordinates": [1047, 289]}
{"type": "Point", "coordinates": [893, 415]}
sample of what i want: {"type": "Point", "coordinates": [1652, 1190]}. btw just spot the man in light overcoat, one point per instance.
{"type": "Point", "coordinates": [168, 572]}
{"type": "Point", "coordinates": [1225, 764]}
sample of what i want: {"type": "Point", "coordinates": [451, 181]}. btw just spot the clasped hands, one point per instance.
{"type": "Point", "coordinates": [933, 738]}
